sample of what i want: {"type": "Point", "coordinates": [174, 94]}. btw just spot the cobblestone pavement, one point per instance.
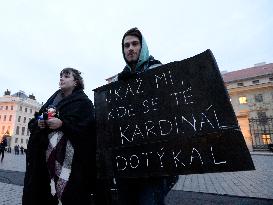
{"type": "Point", "coordinates": [14, 162]}
{"type": "Point", "coordinates": [257, 183]}
{"type": "Point", "coordinates": [12, 172]}
{"type": "Point", "coordinates": [178, 197]}
{"type": "Point", "coordinates": [10, 194]}
{"type": "Point", "coordinates": [230, 188]}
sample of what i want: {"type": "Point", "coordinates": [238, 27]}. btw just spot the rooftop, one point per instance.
{"type": "Point", "coordinates": [20, 94]}
{"type": "Point", "coordinates": [257, 70]}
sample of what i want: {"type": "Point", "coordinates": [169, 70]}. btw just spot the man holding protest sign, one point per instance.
{"type": "Point", "coordinates": [140, 191]}
{"type": "Point", "coordinates": [176, 119]}
{"type": "Point", "coordinates": [142, 144]}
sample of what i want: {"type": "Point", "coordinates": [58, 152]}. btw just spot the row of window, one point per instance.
{"type": "Point", "coordinates": [263, 139]}
{"type": "Point", "coordinates": [24, 119]}
{"type": "Point", "coordinates": [253, 82]}
{"type": "Point", "coordinates": [23, 131]}
{"type": "Point", "coordinates": [7, 107]}
{"type": "Point", "coordinates": [26, 109]}
{"type": "Point", "coordinates": [5, 118]}
{"type": "Point", "coordinates": [10, 118]}
{"type": "Point", "coordinates": [257, 98]}
{"type": "Point", "coordinates": [22, 140]}
{"type": "Point", "coordinates": [20, 108]}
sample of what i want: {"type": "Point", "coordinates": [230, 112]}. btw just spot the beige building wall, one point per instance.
{"type": "Point", "coordinates": [20, 111]}
{"type": "Point", "coordinates": [7, 119]}
{"type": "Point", "coordinates": [250, 90]}
{"type": "Point", "coordinates": [244, 125]}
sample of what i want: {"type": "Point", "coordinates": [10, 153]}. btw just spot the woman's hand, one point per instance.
{"type": "Point", "coordinates": [54, 123]}
{"type": "Point", "coordinates": [41, 124]}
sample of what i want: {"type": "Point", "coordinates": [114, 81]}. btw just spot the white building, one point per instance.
{"type": "Point", "coordinates": [15, 112]}
{"type": "Point", "coordinates": [251, 94]}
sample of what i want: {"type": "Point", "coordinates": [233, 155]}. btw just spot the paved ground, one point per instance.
{"type": "Point", "coordinates": [11, 179]}
{"type": "Point", "coordinates": [13, 162]}
{"type": "Point", "coordinates": [258, 183]}
{"type": "Point", "coordinates": [232, 188]}
{"type": "Point", "coordinates": [176, 197]}
{"type": "Point", "coordinates": [10, 194]}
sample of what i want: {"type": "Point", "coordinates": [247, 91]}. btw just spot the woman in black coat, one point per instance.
{"type": "Point", "coordinates": [60, 163]}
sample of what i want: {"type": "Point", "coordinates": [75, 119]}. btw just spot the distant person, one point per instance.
{"type": "Point", "coordinates": [140, 191]}
{"type": "Point", "coordinates": [16, 149]}
{"type": "Point", "coordinates": [61, 147]}
{"type": "Point", "coordinates": [3, 145]}
{"type": "Point", "coordinates": [22, 149]}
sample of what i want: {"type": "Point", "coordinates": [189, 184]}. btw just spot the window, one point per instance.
{"type": "Point", "coordinates": [16, 140]}
{"type": "Point", "coordinates": [22, 141]}
{"type": "Point", "coordinates": [240, 84]}
{"type": "Point", "coordinates": [266, 139]}
{"type": "Point", "coordinates": [30, 110]}
{"type": "Point", "coordinates": [25, 119]}
{"type": "Point", "coordinates": [21, 108]}
{"type": "Point", "coordinates": [257, 139]}
{"type": "Point", "coordinates": [7, 107]}
{"type": "Point", "coordinates": [1, 108]}
{"type": "Point", "coordinates": [23, 130]}
{"type": "Point", "coordinates": [255, 81]}
{"type": "Point", "coordinates": [27, 132]}
{"type": "Point", "coordinates": [261, 115]}
{"type": "Point", "coordinates": [1, 116]}
{"type": "Point", "coordinates": [11, 107]}
{"type": "Point", "coordinates": [26, 109]}
{"type": "Point", "coordinates": [242, 100]}
{"type": "Point", "coordinates": [10, 117]}
{"type": "Point", "coordinates": [271, 78]}
{"type": "Point", "coordinates": [5, 117]}
{"type": "Point", "coordinates": [262, 118]}
{"type": "Point", "coordinates": [19, 118]}
{"type": "Point", "coordinates": [259, 98]}
{"type": "Point", "coordinates": [8, 130]}
{"type": "Point", "coordinates": [17, 130]}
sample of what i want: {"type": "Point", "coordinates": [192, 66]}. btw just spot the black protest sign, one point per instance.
{"type": "Point", "coordinates": [174, 119]}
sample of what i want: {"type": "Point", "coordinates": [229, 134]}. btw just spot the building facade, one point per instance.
{"type": "Point", "coordinates": [15, 112]}
{"type": "Point", "coordinates": [251, 94]}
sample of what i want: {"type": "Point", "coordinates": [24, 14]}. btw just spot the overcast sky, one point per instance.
{"type": "Point", "coordinates": [40, 37]}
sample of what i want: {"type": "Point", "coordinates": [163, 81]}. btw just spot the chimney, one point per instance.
{"type": "Point", "coordinates": [7, 92]}
{"type": "Point", "coordinates": [31, 97]}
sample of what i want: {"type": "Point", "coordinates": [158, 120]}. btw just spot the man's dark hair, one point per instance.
{"type": "Point", "coordinates": [77, 76]}
{"type": "Point", "coordinates": [133, 32]}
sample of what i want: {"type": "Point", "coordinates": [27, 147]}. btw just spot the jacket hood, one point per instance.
{"type": "Point", "coordinates": [143, 56]}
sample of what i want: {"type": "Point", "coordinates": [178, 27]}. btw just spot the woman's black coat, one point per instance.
{"type": "Point", "coordinates": [77, 114]}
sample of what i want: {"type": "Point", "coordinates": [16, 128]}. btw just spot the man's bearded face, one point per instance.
{"type": "Point", "coordinates": [131, 48]}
